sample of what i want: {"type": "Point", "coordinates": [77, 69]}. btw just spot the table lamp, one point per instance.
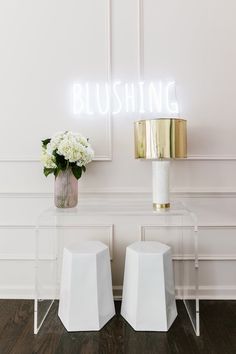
{"type": "Point", "coordinates": [160, 140]}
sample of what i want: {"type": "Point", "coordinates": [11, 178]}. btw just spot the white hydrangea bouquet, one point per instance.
{"type": "Point", "coordinates": [65, 155]}
{"type": "Point", "coordinates": [66, 150]}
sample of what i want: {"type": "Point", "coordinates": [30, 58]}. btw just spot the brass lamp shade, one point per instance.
{"type": "Point", "coordinates": [163, 138]}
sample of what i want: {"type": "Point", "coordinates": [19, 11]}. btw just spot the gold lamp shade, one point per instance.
{"type": "Point", "coordinates": [163, 138]}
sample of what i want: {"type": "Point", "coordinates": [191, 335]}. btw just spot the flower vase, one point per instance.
{"type": "Point", "coordinates": [66, 189]}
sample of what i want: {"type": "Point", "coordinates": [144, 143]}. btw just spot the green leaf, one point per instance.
{"type": "Point", "coordinates": [84, 168]}
{"type": "Point", "coordinates": [47, 171]}
{"type": "Point", "coordinates": [45, 142]}
{"type": "Point", "coordinates": [60, 162]}
{"type": "Point", "coordinates": [77, 171]}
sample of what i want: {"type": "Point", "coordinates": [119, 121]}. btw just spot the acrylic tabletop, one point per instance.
{"type": "Point", "coordinates": [119, 207]}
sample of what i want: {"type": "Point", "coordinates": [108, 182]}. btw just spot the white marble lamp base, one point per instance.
{"type": "Point", "coordinates": [160, 184]}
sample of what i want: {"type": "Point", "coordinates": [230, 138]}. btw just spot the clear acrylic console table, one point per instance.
{"type": "Point", "coordinates": [130, 222]}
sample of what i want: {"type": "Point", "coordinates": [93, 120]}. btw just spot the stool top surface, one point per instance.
{"type": "Point", "coordinates": [86, 247]}
{"type": "Point", "coordinates": [149, 247]}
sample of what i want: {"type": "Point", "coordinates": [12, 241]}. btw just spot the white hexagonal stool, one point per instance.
{"type": "Point", "coordinates": [148, 301]}
{"type": "Point", "coordinates": [86, 299]}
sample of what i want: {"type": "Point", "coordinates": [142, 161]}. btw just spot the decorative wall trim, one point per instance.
{"type": "Point", "coordinates": [21, 160]}
{"type": "Point", "coordinates": [109, 78]}
{"type": "Point", "coordinates": [110, 227]}
{"type": "Point", "coordinates": [191, 257]}
{"type": "Point", "coordinates": [211, 292]}
{"type": "Point", "coordinates": [30, 257]}
{"type": "Point", "coordinates": [124, 193]}
{"type": "Point", "coordinates": [17, 227]}
{"type": "Point", "coordinates": [212, 157]}
{"type": "Point", "coordinates": [200, 227]}
{"type": "Point", "coordinates": [141, 65]}
{"type": "Point", "coordinates": [205, 257]}
{"type": "Point", "coordinates": [17, 292]}
{"type": "Point", "coordinates": [204, 292]}
{"type": "Point", "coordinates": [206, 193]}
{"type": "Point", "coordinates": [32, 227]}
{"type": "Point", "coordinates": [108, 157]}
{"type": "Point", "coordinates": [15, 257]}
{"type": "Point", "coordinates": [140, 41]}
{"type": "Point", "coordinates": [26, 195]}
{"type": "Point", "coordinates": [176, 257]}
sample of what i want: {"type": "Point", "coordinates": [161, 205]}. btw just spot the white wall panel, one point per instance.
{"type": "Point", "coordinates": [45, 47]}
{"type": "Point", "coordinates": [193, 43]}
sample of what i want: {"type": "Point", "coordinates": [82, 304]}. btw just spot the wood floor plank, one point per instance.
{"type": "Point", "coordinates": [15, 323]}
{"type": "Point", "coordinates": [7, 309]}
{"type": "Point", "coordinates": [46, 341]}
{"type": "Point", "coordinates": [218, 333]}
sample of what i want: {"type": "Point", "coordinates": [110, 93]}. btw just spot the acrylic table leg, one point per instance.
{"type": "Point", "coordinates": [191, 301]}
{"type": "Point", "coordinates": [35, 316]}
{"type": "Point", "coordinates": [37, 298]}
{"type": "Point", "coordinates": [36, 281]}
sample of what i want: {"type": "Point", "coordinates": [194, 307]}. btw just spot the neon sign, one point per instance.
{"type": "Point", "coordinates": [156, 97]}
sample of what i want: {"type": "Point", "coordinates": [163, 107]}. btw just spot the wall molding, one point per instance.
{"type": "Point", "coordinates": [110, 228]}
{"type": "Point", "coordinates": [140, 41]}
{"type": "Point", "coordinates": [109, 78]}
{"type": "Point", "coordinates": [206, 193]}
{"type": "Point", "coordinates": [31, 257]}
{"type": "Point", "coordinates": [137, 192]}
{"type": "Point", "coordinates": [211, 292]}
{"type": "Point", "coordinates": [33, 226]}
{"type": "Point", "coordinates": [108, 157]}
{"type": "Point", "coordinates": [15, 257]}
{"type": "Point", "coordinates": [175, 257]}
{"type": "Point", "coordinates": [26, 159]}
{"type": "Point", "coordinates": [210, 158]}
{"type": "Point", "coordinates": [200, 227]}
{"type": "Point", "coordinates": [204, 292]}
{"type": "Point", "coordinates": [141, 69]}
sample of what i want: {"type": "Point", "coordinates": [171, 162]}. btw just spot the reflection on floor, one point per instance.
{"type": "Point", "coordinates": [218, 333]}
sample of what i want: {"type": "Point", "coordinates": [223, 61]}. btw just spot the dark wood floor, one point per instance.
{"type": "Point", "coordinates": [218, 333]}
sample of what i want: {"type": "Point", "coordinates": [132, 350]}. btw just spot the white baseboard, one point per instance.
{"type": "Point", "coordinates": [16, 292]}
{"type": "Point", "coordinates": [204, 293]}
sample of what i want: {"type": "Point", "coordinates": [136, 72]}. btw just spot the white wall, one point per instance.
{"type": "Point", "coordinates": [45, 46]}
